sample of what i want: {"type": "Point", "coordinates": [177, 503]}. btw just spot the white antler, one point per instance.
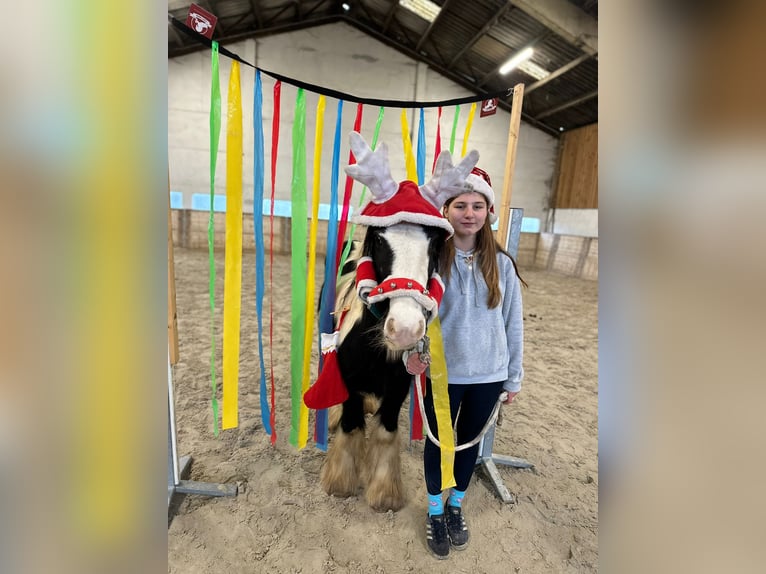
{"type": "Point", "coordinates": [372, 168]}
{"type": "Point", "coordinates": [448, 180]}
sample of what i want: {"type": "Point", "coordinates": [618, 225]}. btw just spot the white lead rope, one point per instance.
{"type": "Point", "coordinates": [493, 417]}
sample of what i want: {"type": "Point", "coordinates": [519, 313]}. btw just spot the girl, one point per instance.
{"type": "Point", "coordinates": [481, 320]}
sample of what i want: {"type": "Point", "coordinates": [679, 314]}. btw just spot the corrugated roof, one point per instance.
{"type": "Point", "coordinates": [468, 42]}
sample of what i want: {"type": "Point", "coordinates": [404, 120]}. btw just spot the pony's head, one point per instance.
{"type": "Point", "coordinates": [396, 277]}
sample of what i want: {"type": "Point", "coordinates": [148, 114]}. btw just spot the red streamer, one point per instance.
{"type": "Point", "coordinates": [438, 145]}
{"type": "Point", "coordinates": [347, 192]}
{"type": "Point", "coordinates": [274, 150]}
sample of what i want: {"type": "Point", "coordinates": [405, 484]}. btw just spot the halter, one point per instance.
{"type": "Point", "coordinates": [372, 292]}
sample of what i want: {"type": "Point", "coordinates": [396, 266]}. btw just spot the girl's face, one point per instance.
{"type": "Point", "coordinates": [467, 213]}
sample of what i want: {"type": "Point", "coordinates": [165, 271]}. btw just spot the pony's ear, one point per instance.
{"type": "Point", "coordinates": [372, 168]}
{"type": "Point", "coordinates": [448, 180]}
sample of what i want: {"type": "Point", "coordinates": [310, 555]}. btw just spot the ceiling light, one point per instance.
{"type": "Point", "coordinates": [561, 128]}
{"type": "Point", "coordinates": [517, 59]}
{"type": "Point", "coordinates": [533, 70]}
{"type": "Point", "coordinates": [346, 6]}
{"type": "Point", "coordinates": [423, 8]}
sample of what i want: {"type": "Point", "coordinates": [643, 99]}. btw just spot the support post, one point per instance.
{"type": "Point", "coordinates": [510, 162]}
{"type": "Point", "coordinates": [172, 319]}
{"type": "Point", "coordinates": [176, 471]}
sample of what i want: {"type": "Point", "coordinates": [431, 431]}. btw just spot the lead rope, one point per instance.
{"type": "Point", "coordinates": [490, 421]}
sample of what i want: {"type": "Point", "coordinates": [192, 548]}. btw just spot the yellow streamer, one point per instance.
{"type": "Point", "coordinates": [409, 157]}
{"type": "Point", "coordinates": [303, 426]}
{"type": "Point", "coordinates": [441, 404]}
{"type": "Point", "coordinates": [468, 125]}
{"type": "Point", "coordinates": [232, 289]}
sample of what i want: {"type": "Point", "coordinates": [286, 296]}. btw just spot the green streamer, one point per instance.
{"type": "Point", "coordinates": [347, 247]}
{"type": "Point", "coordinates": [215, 131]}
{"type": "Point", "coordinates": [454, 129]}
{"type": "Point", "coordinates": [299, 223]}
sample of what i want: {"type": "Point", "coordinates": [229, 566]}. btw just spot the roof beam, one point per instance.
{"type": "Point", "coordinates": [555, 74]}
{"type": "Point", "coordinates": [176, 34]}
{"type": "Point", "coordinates": [480, 33]}
{"type": "Point", "coordinates": [447, 72]}
{"type": "Point", "coordinates": [214, 9]}
{"type": "Point", "coordinates": [530, 44]}
{"type": "Point", "coordinates": [390, 15]}
{"type": "Point", "coordinates": [566, 20]}
{"type": "Point", "coordinates": [430, 28]}
{"type": "Point", "coordinates": [256, 12]}
{"type": "Point", "coordinates": [566, 105]}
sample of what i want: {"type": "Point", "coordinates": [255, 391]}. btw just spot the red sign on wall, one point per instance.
{"type": "Point", "coordinates": [201, 21]}
{"type": "Point", "coordinates": [488, 107]}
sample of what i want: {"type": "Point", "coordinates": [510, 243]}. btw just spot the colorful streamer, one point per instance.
{"type": "Point", "coordinates": [454, 129]}
{"type": "Point", "coordinates": [232, 288]}
{"type": "Point", "coordinates": [468, 125]}
{"type": "Point", "coordinates": [422, 148]}
{"type": "Point", "coordinates": [347, 193]}
{"type": "Point", "coordinates": [298, 275]}
{"type": "Point", "coordinates": [347, 247]}
{"type": "Point", "coordinates": [303, 431]}
{"type": "Point", "coordinates": [409, 157]}
{"type": "Point", "coordinates": [327, 301]}
{"type": "Point", "coordinates": [215, 131]}
{"type": "Point", "coordinates": [441, 404]}
{"type": "Point", "coordinates": [258, 168]}
{"type": "Point", "coordinates": [438, 144]}
{"type": "Point", "coordinates": [274, 154]}
{"type": "Point", "coordinates": [416, 418]}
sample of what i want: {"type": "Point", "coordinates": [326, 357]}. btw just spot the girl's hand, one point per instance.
{"type": "Point", "coordinates": [509, 400]}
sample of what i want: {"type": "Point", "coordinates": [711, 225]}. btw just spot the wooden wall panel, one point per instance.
{"type": "Point", "coordinates": [577, 185]}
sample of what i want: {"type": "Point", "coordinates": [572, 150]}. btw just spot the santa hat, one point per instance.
{"type": "Point", "coordinates": [478, 180]}
{"type": "Point", "coordinates": [406, 205]}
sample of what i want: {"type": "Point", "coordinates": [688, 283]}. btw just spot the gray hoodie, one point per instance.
{"type": "Point", "coordinates": [482, 345]}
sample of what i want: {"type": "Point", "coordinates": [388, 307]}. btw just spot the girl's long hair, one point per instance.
{"type": "Point", "coordinates": [485, 244]}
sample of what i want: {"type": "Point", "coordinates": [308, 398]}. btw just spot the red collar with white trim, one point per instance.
{"type": "Point", "coordinates": [371, 292]}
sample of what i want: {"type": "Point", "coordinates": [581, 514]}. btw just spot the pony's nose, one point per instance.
{"type": "Point", "coordinates": [404, 334]}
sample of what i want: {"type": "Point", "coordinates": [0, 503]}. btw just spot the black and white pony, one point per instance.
{"type": "Point", "coordinates": [387, 295]}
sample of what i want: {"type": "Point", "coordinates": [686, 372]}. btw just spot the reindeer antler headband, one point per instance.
{"type": "Point", "coordinates": [393, 203]}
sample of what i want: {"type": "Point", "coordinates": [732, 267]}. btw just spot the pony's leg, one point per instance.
{"type": "Point", "coordinates": [371, 406]}
{"type": "Point", "coordinates": [385, 490]}
{"type": "Point", "coordinates": [333, 419]}
{"type": "Point", "coordinates": [340, 474]}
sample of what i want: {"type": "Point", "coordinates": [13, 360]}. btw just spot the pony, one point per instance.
{"type": "Point", "coordinates": [388, 293]}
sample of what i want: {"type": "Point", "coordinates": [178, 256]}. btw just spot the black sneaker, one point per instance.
{"type": "Point", "coordinates": [457, 528]}
{"type": "Point", "coordinates": [436, 536]}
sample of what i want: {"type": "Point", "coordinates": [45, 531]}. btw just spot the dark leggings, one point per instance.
{"type": "Point", "coordinates": [475, 403]}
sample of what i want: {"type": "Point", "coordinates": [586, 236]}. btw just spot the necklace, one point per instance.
{"type": "Point", "coordinates": [468, 258]}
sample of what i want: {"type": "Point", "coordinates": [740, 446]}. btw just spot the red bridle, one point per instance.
{"type": "Point", "coordinates": [371, 292]}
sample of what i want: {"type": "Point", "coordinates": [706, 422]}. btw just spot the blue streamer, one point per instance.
{"type": "Point", "coordinates": [422, 148]}
{"type": "Point", "coordinates": [327, 303]}
{"type": "Point", "coordinates": [258, 171]}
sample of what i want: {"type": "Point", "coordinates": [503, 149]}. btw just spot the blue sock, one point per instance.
{"type": "Point", "coordinates": [455, 497]}
{"type": "Point", "coordinates": [435, 504]}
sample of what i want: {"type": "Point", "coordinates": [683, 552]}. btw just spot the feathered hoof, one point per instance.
{"type": "Point", "coordinates": [385, 497]}
{"type": "Point", "coordinates": [336, 484]}
{"type": "Point", "coordinates": [339, 475]}
{"type": "Point", "coordinates": [385, 490]}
